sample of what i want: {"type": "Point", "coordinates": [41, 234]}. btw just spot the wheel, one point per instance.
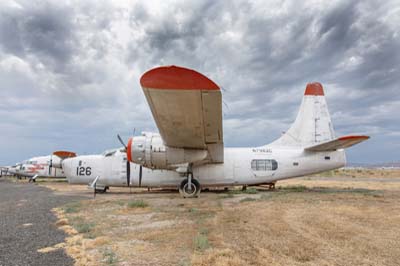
{"type": "Point", "coordinates": [192, 191]}
{"type": "Point", "coordinates": [101, 190]}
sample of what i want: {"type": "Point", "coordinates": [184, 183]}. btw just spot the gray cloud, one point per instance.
{"type": "Point", "coordinates": [70, 71]}
{"type": "Point", "coordinates": [44, 31]}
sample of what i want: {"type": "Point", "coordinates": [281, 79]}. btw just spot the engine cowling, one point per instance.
{"type": "Point", "coordinates": [149, 150]}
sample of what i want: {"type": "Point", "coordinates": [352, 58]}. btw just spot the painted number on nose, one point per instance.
{"type": "Point", "coordinates": [82, 171]}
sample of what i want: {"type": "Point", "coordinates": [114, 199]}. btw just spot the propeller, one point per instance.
{"type": "Point", "coordinates": [50, 164]}
{"type": "Point", "coordinates": [128, 173]}
{"type": "Point", "coordinates": [140, 175]}
{"type": "Point", "coordinates": [128, 165]}
{"type": "Point", "coordinates": [122, 142]}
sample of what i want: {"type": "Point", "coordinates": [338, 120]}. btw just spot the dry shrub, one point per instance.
{"type": "Point", "coordinates": [221, 257]}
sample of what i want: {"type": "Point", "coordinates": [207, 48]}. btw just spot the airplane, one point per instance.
{"type": "Point", "coordinates": [41, 166]}
{"type": "Point", "coordinates": [4, 170]}
{"type": "Point", "coordinates": [188, 152]}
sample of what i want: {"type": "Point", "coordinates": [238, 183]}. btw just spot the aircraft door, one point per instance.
{"type": "Point", "coordinates": [241, 171]}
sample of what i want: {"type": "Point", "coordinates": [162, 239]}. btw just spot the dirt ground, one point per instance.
{"type": "Point", "coordinates": [343, 217]}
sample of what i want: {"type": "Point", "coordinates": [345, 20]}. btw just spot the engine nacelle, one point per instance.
{"type": "Point", "coordinates": [149, 150]}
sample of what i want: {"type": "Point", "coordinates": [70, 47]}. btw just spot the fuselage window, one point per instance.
{"type": "Point", "coordinates": [264, 165]}
{"type": "Point", "coordinates": [327, 157]}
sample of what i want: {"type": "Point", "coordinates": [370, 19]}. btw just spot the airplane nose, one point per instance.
{"type": "Point", "coordinates": [67, 168]}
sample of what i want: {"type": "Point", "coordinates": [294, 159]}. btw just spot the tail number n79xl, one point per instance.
{"type": "Point", "coordinates": [82, 171]}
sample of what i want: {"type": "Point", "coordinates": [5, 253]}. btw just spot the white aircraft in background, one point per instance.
{"type": "Point", "coordinates": [188, 153]}
{"type": "Point", "coordinates": [41, 166]}
{"type": "Point", "coordinates": [4, 170]}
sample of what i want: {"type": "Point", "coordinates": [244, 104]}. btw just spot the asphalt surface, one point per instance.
{"type": "Point", "coordinates": [27, 224]}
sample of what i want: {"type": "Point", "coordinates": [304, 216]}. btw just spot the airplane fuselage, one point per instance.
{"type": "Point", "coordinates": [39, 166]}
{"type": "Point", "coordinates": [242, 166]}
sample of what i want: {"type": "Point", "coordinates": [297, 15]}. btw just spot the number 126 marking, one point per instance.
{"type": "Point", "coordinates": [82, 171]}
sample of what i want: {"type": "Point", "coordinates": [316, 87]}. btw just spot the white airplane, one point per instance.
{"type": "Point", "coordinates": [188, 153]}
{"type": "Point", "coordinates": [41, 166]}
{"type": "Point", "coordinates": [4, 170]}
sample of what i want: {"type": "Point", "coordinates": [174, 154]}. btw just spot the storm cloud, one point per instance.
{"type": "Point", "coordinates": [70, 71]}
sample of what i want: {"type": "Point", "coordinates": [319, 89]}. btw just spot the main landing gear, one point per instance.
{"type": "Point", "coordinates": [189, 187]}
{"type": "Point", "coordinates": [101, 190]}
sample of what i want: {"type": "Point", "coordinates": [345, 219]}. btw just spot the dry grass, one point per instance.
{"type": "Point", "coordinates": [308, 221]}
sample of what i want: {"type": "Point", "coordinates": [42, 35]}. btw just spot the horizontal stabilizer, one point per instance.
{"type": "Point", "coordinates": [64, 154]}
{"type": "Point", "coordinates": [338, 143]}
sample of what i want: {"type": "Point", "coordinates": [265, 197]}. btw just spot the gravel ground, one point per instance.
{"type": "Point", "coordinates": [27, 224]}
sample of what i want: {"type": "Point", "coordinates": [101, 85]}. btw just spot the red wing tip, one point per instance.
{"type": "Point", "coordinates": [314, 88]}
{"type": "Point", "coordinates": [353, 137]}
{"type": "Point", "coordinates": [176, 78]}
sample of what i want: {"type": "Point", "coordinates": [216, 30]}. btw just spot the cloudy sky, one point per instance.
{"type": "Point", "coordinates": [69, 70]}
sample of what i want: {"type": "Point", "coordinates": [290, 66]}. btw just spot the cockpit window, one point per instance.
{"type": "Point", "coordinates": [264, 165]}
{"type": "Point", "coordinates": [109, 153]}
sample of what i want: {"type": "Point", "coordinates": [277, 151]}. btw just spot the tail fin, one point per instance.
{"type": "Point", "coordinates": [313, 123]}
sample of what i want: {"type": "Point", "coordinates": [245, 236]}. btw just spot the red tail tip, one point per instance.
{"type": "Point", "coordinates": [314, 88]}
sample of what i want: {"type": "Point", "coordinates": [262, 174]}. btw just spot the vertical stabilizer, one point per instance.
{"type": "Point", "coordinates": [313, 122]}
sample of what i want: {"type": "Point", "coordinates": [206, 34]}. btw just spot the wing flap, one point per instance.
{"type": "Point", "coordinates": [212, 122]}
{"type": "Point", "coordinates": [338, 143]}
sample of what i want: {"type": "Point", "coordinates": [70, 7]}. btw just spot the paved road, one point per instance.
{"type": "Point", "coordinates": [20, 206]}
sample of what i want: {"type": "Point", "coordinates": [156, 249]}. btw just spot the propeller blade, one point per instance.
{"type": "Point", "coordinates": [128, 173]}
{"type": "Point", "coordinates": [50, 164]}
{"type": "Point", "coordinates": [120, 140]}
{"type": "Point", "coordinates": [140, 176]}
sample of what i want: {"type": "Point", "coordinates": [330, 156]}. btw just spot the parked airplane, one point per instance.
{"type": "Point", "coordinates": [41, 166]}
{"type": "Point", "coordinates": [114, 170]}
{"type": "Point", "coordinates": [189, 153]}
{"type": "Point", "coordinates": [4, 171]}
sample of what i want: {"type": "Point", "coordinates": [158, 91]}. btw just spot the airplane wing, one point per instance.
{"type": "Point", "coordinates": [338, 143]}
{"type": "Point", "coordinates": [187, 108]}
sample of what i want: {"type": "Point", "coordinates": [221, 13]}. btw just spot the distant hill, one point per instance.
{"type": "Point", "coordinates": [375, 165]}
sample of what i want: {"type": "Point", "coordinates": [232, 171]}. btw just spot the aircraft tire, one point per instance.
{"type": "Point", "coordinates": [103, 190]}
{"type": "Point", "coordinates": [186, 193]}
